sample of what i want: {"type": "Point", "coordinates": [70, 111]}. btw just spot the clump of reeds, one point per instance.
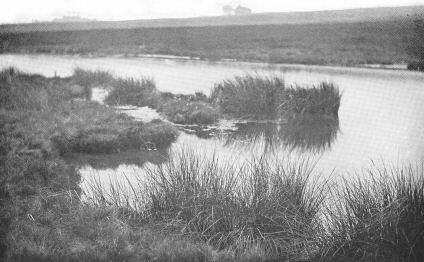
{"type": "Point", "coordinates": [379, 217]}
{"type": "Point", "coordinates": [249, 95]}
{"type": "Point", "coordinates": [268, 97]}
{"type": "Point", "coordinates": [131, 91]}
{"type": "Point", "coordinates": [270, 205]}
{"type": "Point", "coordinates": [323, 99]}
{"type": "Point", "coordinates": [90, 78]}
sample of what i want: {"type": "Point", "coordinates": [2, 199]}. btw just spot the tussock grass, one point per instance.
{"type": "Point", "coordinates": [88, 78]}
{"type": "Point", "coordinates": [323, 99]}
{"type": "Point", "coordinates": [268, 97]}
{"type": "Point", "coordinates": [249, 95]}
{"type": "Point", "coordinates": [131, 91]}
{"type": "Point", "coordinates": [93, 128]}
{"type": "Point", "coordinates": [380, 216]}
{"type": "Point", "coordinates": [180, 109]}
{"type": "Point", "coordinates": [50, 115]}
{"type": "Point", "coordinates": [272, 207]}
{"type": "Point", "coordinates": [21, 91]}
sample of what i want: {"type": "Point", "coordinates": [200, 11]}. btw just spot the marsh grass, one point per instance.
{"type": "Point", "coordinates": [268, 97]}
{"type": "Point", "coordinates": [22, 91]}
{"type": "Point", "coordinates": [89, 78]}
{"type": "Point", "coordinates": [249, 95]}
{"type": "Point", "coordinates": [321, 99]}
{"type": "Point", "coordinates": [270, 206]}
{"type": "Point", "coordinates": [131, 91]}
{"type": "Point", "coordinates": [179, 109]}
{"type": "Point", "coordinates": [379, 217]}
{"type": "Point", "coordinates": [49, 113]}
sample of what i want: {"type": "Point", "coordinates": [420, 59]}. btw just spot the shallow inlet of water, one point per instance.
{"type": "Point", "coordinates": [381, 116]}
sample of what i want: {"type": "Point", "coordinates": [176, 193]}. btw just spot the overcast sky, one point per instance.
{"type": "Point", "coordinates": [17, 11]}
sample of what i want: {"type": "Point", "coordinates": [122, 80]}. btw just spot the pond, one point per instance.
{"type": "Point", "coordinates": [381, 117]}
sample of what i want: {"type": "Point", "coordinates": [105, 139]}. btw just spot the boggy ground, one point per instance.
{"type": "Point", "coordinates": [191, 209]}
{"type": "Point", "coordinates": [248, 96]}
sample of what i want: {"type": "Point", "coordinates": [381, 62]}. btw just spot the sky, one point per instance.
{"type": "Point", "coordinates": [22, 11]}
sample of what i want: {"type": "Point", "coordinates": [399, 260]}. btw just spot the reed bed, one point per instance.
{"type": "Point", "coordinates": [269, 97]}
{"type": "Point", "coordinates": [249, 95]}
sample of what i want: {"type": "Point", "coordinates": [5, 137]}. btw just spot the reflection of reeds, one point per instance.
{"type": "Point", "coordinates": [129, 157]}
{"type": "Point", "coordinates": [306, 133]}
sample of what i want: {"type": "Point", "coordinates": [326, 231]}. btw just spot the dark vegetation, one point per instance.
{"type": "Point", "coordinates": [191, 209]}
{"type": "Point", "coordinates": [264, 210]}
{"type": "Point", "coordinates": [179, 109]}
{"type": "Point", "coordinates": [380, 216]}
{"type": "Point", "coordinates": [383, 42]}
{"type": "Point", "coordinates": [258, 97]}
{"type": "Point", "coordinates": [247, 96]}
{"type": "Point", "coordinates": [417, 49]}
{"type": "Point", "coordinates": [61, 124]}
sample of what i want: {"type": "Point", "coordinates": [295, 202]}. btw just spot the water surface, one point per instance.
{"type": "Point", "coordinates": [381, 116]}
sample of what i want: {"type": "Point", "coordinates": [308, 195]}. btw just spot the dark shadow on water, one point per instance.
{"type": "Point", "coordinates": [314, 134]}
{"type": "Point", "coordinates": [311, 133]}
{"type": "Point", "coordinates": [113, 161]}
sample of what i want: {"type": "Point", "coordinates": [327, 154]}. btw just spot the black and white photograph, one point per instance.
{"type": "Point", "coordinates": [211, 130]}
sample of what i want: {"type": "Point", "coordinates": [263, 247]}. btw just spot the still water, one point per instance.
{"type": "Point", "coordinates": [381, 117]}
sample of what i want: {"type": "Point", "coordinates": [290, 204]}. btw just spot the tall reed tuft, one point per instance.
{"type": "Point", "coordinates": [131, 91]}
{"type": "Point", "coordinates": [273, 206]}
{"type": "Point", "coordinates": [268, 97]}
{"type": "Point", "coordinates": [249, 95]}
{"type": "Point", "coordinates": [323, 99]}
{"type": "Point", "coordinates": [89, 78]}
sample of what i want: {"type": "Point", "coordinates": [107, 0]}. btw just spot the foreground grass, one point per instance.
{"type": "Point", "coordinates": [380, 216]}
{"type": "Point", "coordinates": [193, 209]}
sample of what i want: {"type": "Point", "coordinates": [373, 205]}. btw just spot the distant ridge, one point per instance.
{"type": "Point", "coordinates": [333, 16]}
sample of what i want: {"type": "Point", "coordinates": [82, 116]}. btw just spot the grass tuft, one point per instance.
{"type": "Point", "coordinates": [380, 217]}
{"type": "Point", "coordinates": [262, 97]}
{"type": "Point", "coordinates": [273, 206]}
{"type": "Point", "coordinates": [249, 96]}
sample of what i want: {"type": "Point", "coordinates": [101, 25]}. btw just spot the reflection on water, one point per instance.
{"type": "Point", "coordinates": [309, 133]}
{"type": "Point", "coordinates": [113, 161]}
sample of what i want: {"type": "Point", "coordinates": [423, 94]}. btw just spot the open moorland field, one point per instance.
{"type": "Point", "coordinates": [378, 42]}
